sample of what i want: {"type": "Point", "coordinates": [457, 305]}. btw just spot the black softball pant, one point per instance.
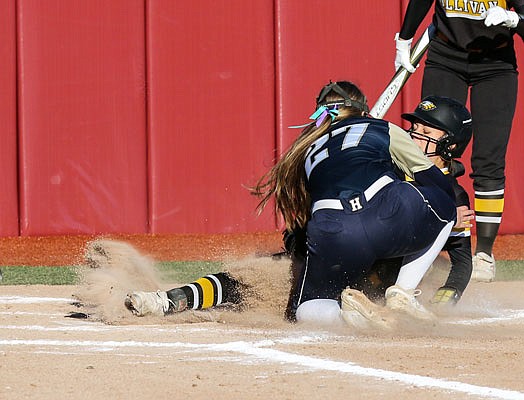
{"type": "Point", "coordinates": [493, 80]}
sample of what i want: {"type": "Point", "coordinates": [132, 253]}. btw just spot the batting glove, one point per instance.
{"type": "Point", "coordinates": [446, 295]}
{"type": "Point", "coordinates": [403, 54]}
{"type": "Point", "coordinates": [500, 16]}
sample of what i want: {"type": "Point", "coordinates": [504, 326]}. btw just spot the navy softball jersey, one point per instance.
{"type": "Point", "coordinates": [361, 210]}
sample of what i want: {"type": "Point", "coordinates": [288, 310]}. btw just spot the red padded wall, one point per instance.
{"type": "Point", "coordinates": [319, 41]}
{"type": "Point", "coordinates": [224, 79]}
{"type": "Point", "coordinates": [211, 113]}
{"type": "Point", "coordinates": [8, 157]}
{"type": "Point", "coordinates": [82, 116]}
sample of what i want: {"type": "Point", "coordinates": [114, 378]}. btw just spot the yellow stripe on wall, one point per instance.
{"type": "Point", "coordinates": [489, 205]}
{"type": "Point", "coordinates": [208, 292]}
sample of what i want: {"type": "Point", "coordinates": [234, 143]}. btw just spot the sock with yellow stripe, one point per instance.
{"type": "Point", "coordinates": [489, 206]}
{"type": "Point", "coordinates": [207, 291]}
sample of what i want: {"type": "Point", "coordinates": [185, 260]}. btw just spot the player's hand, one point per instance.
{"type": "Point", "coordinates": [446, 295]}
{"type": "Point", "coordinates": [465, 216]}
{"type": "Point", "coordinates": [403, 54]}
{"type": "Point", "coordinates": [500, 16]}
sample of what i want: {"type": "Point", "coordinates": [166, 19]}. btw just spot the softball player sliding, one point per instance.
{"type": "Point", "coordinates": [441, 127]}
{"type": "Point", "coordinates": [473, 51]}
{"type": "Point", "coordinates": [338, 178]}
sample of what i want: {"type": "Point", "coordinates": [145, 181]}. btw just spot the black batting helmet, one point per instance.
{"type": "Point", "coordinates": [448, 115]}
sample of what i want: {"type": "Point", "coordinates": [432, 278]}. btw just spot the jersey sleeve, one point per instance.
{"type": "Point", "coordinates": [461, 196]}
{"type": "Point", "coordinates": [459, 251]}
{"type": "Point", "coordinates": [518, 6]}
{"type": "Point", "coordinates": [415, 14]}
{"type": "Point", "coordinates": [405, 153]}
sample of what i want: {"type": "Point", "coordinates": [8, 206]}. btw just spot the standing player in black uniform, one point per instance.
{"type": "Point", "coordinates": [338, 177]}
{"type": "Point", "coordinates": [473, 51]}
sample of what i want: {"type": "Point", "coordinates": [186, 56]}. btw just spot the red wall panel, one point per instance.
{"type": "Point", "coordinates": [82, 116]}
{"type": "Point", "coordinates": [8, 155]}
{"type": "Point", "coordinates": [318, 42]}
{"type": "Point", "coordinates": [211, 113]}
{"type": "Point", "coordinates": [225, 79]}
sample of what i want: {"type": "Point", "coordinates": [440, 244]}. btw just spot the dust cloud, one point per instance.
{"type": "Point", "coordinates": [114, 268]}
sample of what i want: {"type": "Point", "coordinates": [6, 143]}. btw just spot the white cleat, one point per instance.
{"type": "Point", "coordinates": [361, 313]}
{"type": "Point", "coordinates": [147, 303]}
{"type": "Point", "coordinates": [483, 268]}
{"type": "Point", "coordinates": [405, 301]}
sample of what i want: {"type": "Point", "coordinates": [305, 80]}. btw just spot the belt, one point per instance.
{"type": "Point", "coordinates": [446, 40]}
{"type": "Point", "coordinates": [336, 204]}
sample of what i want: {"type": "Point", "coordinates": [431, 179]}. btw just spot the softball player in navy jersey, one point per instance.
{"type": "Point", "coordinates": [441, 127]}
{"type": "Point", "coordinates": [473, 52]}
{"type": "Point", "coordinates": [338, 177]}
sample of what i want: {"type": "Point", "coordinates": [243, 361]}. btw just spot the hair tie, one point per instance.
{"type": "Point", "coordinates": [322, 112]}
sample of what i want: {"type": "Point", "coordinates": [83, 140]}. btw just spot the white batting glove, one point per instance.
{"type": "Point", "coordinates": [499, 16]}
{"type": "Point", "coordinates": [403, 53]}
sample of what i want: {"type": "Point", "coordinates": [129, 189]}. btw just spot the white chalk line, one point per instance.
{"type": "Point", "coordinates": [511, 316]}
{"type": "Point", "coordinates": [98, 327]}
{"type": "Point", "coordinates": [34, 300]}
{"type": "Point", "coordinates": [39, 314]}
{"type": "Point", "coordinates": [260, 351]}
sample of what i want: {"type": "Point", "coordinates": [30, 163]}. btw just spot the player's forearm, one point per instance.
{"type": "Point", "coordinates": [460, 257]}
{"type": "Point", "coordinates": [415, 14]}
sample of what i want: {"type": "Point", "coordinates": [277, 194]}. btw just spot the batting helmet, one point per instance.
{"type": "Point", "coordinates": [448, 115]}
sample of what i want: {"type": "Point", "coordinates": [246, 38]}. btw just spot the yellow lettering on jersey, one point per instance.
{"type": "Point", "coordinates": [470, 9]}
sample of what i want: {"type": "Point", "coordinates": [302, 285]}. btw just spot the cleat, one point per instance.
{"type": "Point", "coordinates": [361, 313]}
{"type": "Point", "coordinates": [483, 268]}
{"type": "Point", "coordinates": [405, 301]}
{"type": "Point", "coordinates": [148, 303]}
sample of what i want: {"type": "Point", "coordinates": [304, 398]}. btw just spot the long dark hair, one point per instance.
{"type": "Point", "coordinates": [286, 180]}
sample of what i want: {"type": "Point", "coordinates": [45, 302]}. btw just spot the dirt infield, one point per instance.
{"type": "Point", "coordinates": [475, 351]}
{"type": "Point", "coordinates": [46, 356]}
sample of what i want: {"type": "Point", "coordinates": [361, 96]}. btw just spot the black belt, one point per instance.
{"type": "Point", "coordinates": [446, 40]}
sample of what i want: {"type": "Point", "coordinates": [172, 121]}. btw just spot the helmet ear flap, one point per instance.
{"type": "Point", "coordinates": [443, 148]}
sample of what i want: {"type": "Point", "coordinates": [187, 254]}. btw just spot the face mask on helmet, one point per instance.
{"type": "Point", "coordinates": [443, 146]}
{"type": "Point", "coordinates": [449, 116]}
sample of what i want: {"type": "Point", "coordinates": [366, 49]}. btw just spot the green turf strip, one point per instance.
{"type": "Point", "coordinates": [25, 275]}
{"type": "Point", "coordinates": [170, 271]}
{"type": "Point", "coordinates": [176, 271]}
